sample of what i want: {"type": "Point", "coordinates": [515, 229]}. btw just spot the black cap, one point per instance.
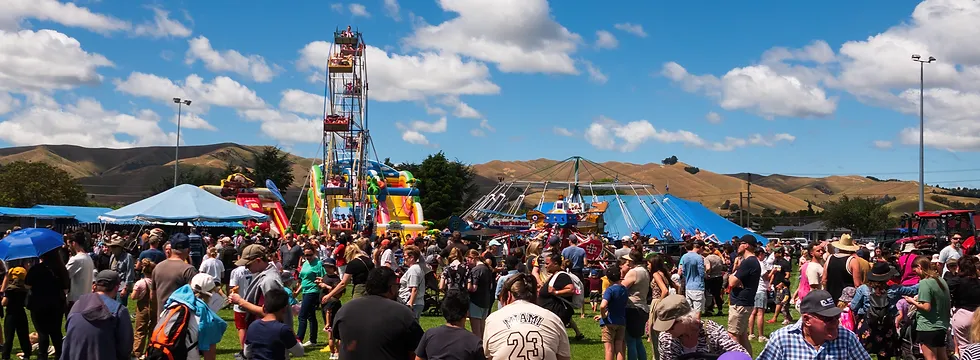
{"type": "Point", "coordinates": [330, 262]}
{"type": "Point", "coordinates": [180, 241]}
{"type": "Point", "coordinates": [107, 278]}
{"type": "Point", "coordinates": [819, 302]}
{"type": "Point", "coordinates": [749, 239]}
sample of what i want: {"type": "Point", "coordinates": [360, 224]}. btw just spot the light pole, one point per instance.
{"type": "Point", "coordinates": [922, 128]}
{"type": "Point", "coordinates": [180, 102]}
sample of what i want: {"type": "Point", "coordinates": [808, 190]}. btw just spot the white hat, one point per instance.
{"type": "Point", "coordinates": [203, 283]}
{"type": "Point", "coordinates": [625, 238]}
{"type": "Point", "coordinates": [935, 258]}
{"type": "Point", "coordinates": [870, 246]}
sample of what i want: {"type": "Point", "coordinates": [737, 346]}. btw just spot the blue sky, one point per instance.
{"type": "Point", "coordinates": [764, 86]}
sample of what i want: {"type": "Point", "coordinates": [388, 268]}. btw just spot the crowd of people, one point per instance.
{"type": "Point", "coordinates": [498, 301]}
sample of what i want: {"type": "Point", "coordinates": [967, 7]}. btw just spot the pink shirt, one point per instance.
{"type": "Point", "coordinates": [804, 287]}
{"type": "Point", "coordinates": [908, 275]}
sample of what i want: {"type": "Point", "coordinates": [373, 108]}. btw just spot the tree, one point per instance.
{"type": "Point", "coordinates": [669, 161]}
{"type": "Point", "coordinates": [188, 175]}
{"type": "Point", "coordinates": [863, 216]}
{"type": "Point", "coordinates": [692, 169]}
{"type": "Point", "coordinates": [446, 187]}
{"type": "Point", "coordinates": [25, 184]}
{"type": "Point", "coordinates": [272, 164]}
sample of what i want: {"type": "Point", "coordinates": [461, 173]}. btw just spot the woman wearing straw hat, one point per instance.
{"type": "Point", "coordinates": [842, 269]}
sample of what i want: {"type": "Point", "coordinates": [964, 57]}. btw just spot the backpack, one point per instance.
{"type": "Point", "coordinates": [880, 310]}
{"type": "Point", "coordinates": [169, 338]}
{"type": "Point", "coordinates": [456, 276]}
{"type": "Point", "coordinates": [578, 299]}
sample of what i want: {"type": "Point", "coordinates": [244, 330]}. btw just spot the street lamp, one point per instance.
{"type": "Point", "coordinates": [180, 102]}
{"type": "Point", "coordinates": [922, 186]}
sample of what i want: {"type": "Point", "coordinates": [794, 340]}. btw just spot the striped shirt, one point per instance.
{"type": "Point", "coordinates": [788, 343]}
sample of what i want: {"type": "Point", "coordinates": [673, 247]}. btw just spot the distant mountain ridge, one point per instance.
{"type": "Point", "coordinates": [120, 176]}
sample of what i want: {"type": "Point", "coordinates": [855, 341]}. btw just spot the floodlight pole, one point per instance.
{"type": "Point", "coordinates": [179, 103]}
{"type": "Point", "coordinates": [922, 185]}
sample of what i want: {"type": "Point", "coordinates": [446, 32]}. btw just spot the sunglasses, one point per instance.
{"type": "Point", "coordinates": [827, 319]}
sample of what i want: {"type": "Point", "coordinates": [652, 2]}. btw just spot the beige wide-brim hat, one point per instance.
{"type": "Point", "coordinates": [846, 243]}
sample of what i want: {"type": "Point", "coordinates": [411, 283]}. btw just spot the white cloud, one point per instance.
{"type": "Point", "coordinates": [438, 126]}
{"type": "Point", "coordinates": [190, 120]}
{"type": "Point", "coordinates": [635, 29]}
{"type": "Point", "coordinates": [478, 133]}
{"type": "Point", "coordinates": [252, 66]}
{"type": "Point", "coordinates": [563, 131]}
{"type": "Point", "coordinates": [713, 117]}
{"type": "Point", "coordinates": [84, 123]}
{"type": "Point", "coordinates": [877, 70]}
{"type": "Point", "coordinates": [393, 10]}
{"type": "Point", "coordinates": [595, 74]}
{"type": "Point", "coordinates": [337, 7]}
{"type": "Point", "coordinates": [485, 30]}
{"type": "Point", "coordinates": [397, 77]}
{"type": "Point", "coordinates": [883, 144]}
{"type": "Point", "coordinates": [605, 40]}
{"type": "Point", "coordinates": [358, 10]}
{"type": "Point", "coordinates": [415, 137]}
{"type": "Point", "coordinates": [15, 12]}
{"type": "Point", "coordinates": [221, 91]}
{"type": "Point", "coordinates": [302, 102]}
{"type": "Point", "coordinates": [485, 124]}
{"type": "Point", "coordinates": [46, 60]}
{"type": "Point", "coordinates": [162, 26]}
{"type": "Point", "coordinates": [293, 129]}
{"type": "Point", "coordinates": [460, 109]}
{"type": "Point", "coordinates": [759, 89]}
{"type": "Point", "coordinates": [413, 133]}
{"type": "Point", "coordinates": [608, 134]}
{"type": "Point", "coordinates": [7, 103]}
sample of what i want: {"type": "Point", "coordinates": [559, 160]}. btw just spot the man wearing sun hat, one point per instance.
{"type": "Point", "coordinates": [843, 269]}
{"type": "Point", "coordinates": [817, 335]}
{"type": "Point", "coordinates": [266, 276]}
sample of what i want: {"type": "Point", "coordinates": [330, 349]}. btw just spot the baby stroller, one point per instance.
{"type": "Point", "coordinates": [431, 295]}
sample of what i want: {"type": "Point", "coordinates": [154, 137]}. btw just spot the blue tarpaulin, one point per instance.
{"type": "Point", "coordinates": [36, 213]}
{"type": "Point", "coordinates": [184, 203]}
{"type": "Point", "coordinates": [663, 212]}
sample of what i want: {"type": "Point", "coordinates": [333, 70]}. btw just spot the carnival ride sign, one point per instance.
{"type": "Point", "coordinates": [509, 224]}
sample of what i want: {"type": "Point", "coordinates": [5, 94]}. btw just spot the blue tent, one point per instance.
{"type": "Point", "coordinates": [663, 212]}
{"type": "Point", "coordinates": [184, 203]}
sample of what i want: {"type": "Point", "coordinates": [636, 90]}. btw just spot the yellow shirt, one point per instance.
{"type": "Point", "coordinates": [605, 284]}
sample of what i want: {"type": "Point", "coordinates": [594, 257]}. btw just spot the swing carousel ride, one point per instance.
{"type": "Point", "coordinates": [349, 191]}
{"type": "Point", "coordinates": [579, 208]}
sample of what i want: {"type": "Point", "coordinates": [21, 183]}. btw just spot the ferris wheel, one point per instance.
{"type": "Point", "coordinates": [346, 139]}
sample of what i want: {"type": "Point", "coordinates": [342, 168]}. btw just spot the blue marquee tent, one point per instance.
{"type": "Point", "coordinates": [184, 203]}
{"type": "Point", "coordinates": [628, 214]}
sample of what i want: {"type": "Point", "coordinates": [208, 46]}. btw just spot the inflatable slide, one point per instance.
{"type": "Point", "coordinates": [268, 200]}
{"type": "Point", "coordinates": [391, 196]}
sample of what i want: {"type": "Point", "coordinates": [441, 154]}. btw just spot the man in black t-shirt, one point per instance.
{"type": "Point", "coordinates": [780, 266]}
{"type": "Point", "coordinates": [742, 285]}
{"type": "Point", "coordinates": [375, 326]}
{"type": "Point", "coordinates": [451, 341]}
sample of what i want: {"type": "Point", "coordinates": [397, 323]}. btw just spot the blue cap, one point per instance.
{"type": "Point", "coordinates": [180, 241]}
{"type": "Point", "coordinates": [330, 262]}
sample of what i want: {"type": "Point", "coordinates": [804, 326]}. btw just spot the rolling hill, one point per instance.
{"type": "Point", "coordinates": [121, 176]}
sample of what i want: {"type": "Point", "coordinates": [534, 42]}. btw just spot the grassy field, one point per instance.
{"type": "Point", "coordinates": [590, 348]}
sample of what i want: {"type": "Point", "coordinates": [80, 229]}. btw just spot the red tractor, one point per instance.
{"type": "Point", "coordinates": [931, 230]}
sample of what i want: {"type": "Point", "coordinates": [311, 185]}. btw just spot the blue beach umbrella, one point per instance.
{"type": "Point", "coordinates": [29, 243]}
